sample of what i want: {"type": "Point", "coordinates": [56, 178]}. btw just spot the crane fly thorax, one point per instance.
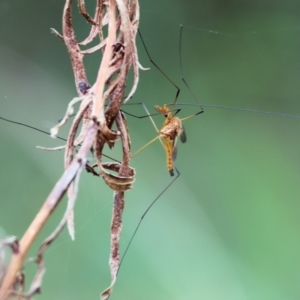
{"type": "Point", "coordinates": [172, 128]}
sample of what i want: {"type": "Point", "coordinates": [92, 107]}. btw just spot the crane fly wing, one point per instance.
{"type": "Point", "coordinates": [183, 135]}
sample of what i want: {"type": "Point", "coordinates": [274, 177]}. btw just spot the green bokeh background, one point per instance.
{"type": "Point", "coordinates": [229, 227]}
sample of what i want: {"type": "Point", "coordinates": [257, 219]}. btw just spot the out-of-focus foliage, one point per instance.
{"type": "Point", "coordinates": [229, 227]}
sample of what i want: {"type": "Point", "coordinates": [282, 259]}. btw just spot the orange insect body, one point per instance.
{"type": "Point", "coordinates": [171, 129]}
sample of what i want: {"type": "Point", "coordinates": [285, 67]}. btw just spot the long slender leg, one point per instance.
{"type": "Point", "coordinates": [219, 106]}
{"type": "Point", "coordinates": [151, 119]}
{"type": "Point", "coordinates": [175, 111]}
{"type": "Point", "coordinates": [160, 70]}
{"type": "Point", "coordinates": [45, 132]}
{"type": "Point", "coordinates": [180, 63]}
{"type": "Point", "coordinates": [145, 213]}
{"type": "Point", "coordinates": [145, 146]}
{"type": "Point", "coordinates": [181, 68]}
{"type": "Point", "coordinates": [181, 72]}
{"type": "Point", "coordinates": [189, 104]}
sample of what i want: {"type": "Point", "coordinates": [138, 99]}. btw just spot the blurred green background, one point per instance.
{"type": "Point", "coordinates": [229, 227]}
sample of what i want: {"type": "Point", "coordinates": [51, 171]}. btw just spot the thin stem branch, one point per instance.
{"type": "Point", "coordinates": [46, 210]}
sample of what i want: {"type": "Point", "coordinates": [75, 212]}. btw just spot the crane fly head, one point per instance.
{"type": "Point", "coordinates": [163, 110]}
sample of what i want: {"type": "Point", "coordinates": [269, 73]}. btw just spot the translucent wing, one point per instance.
{"type": "Point", "coordinates": [183, 135]}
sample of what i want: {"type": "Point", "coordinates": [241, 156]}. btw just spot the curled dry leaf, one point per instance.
{"type": "Point", "coordinates": [117, 183]}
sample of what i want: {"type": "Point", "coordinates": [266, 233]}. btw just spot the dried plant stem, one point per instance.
{"type": "Point", "coordinates": [45, 212]}
{"type": "Point", "coordinates": [119, 203]}
{"type": "Point", "coordinates": [98, 109]}
{"type": "Point", "coordinates": [72, 46]}
{"type": "Point", "coordinates": [119, 55]}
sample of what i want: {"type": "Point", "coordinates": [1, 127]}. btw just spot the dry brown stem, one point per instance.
{"type": "Point", "coordinates": [46, 210]}
{"type": "Point", "coordinates": [119, 55]}
{"type": "Point", "coordinates": [119, 202]}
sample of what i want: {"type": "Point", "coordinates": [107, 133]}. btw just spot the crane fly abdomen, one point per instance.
{"type": "Point", "coordinates": [169, 151]}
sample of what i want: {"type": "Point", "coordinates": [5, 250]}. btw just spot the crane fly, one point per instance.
{"type": "Point", "coordinates": [171, 129]}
